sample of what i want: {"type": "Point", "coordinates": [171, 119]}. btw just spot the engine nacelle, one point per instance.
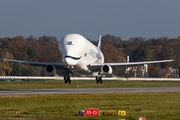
{"type": "Point", "coordinates": [51, 69]}
{"type": "Point", "coordinates": [106, 69]}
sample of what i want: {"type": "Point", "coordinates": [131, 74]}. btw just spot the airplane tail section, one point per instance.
{"type": "Point", "coordinates": [99, 43]}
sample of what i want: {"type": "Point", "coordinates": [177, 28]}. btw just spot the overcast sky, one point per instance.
{"type": "Point", "coordinates": [90, 18]}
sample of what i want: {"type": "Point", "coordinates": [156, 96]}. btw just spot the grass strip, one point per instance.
{"type": "Point", "coordinates": [84, 84]}
{"type": "Point", "coordinates": [153, 106]}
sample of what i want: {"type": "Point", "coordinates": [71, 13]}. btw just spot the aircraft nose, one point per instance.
{"type": "Point", "coordinates": [69, 61]}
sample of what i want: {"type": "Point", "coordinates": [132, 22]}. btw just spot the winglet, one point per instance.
{"type": "Point", "coordinates": [175, 57]}
{"type": "Point", "coordinates": [3, 57]}
{"type": "Point", "coordinates": [99, 43]}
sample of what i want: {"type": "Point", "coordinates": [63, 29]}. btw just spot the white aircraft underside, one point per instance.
{"type": "Point", "coordinates": [82, 57]}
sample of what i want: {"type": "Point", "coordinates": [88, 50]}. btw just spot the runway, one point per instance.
{"type": "Point", "coordinates": [88, 90]}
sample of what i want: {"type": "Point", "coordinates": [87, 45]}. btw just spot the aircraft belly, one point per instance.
{"type": "Point", "coordinates": [82, 69]}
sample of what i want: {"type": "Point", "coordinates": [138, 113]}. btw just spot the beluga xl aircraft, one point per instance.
{"type": "Point", "coordinates": [80, 56]}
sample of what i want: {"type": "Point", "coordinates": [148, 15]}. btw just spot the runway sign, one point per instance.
{"type": "Point", "coordinates": [91, 112]}
{"type": "Point", "coordinates": [121, 113]}
{"type": "Point", "coordinates": [108, 112]}
{"type": "Point", "coordinates": [142, 118]}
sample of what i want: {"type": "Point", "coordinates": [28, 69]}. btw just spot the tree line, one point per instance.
{"type": "Point", "coordinates": [45, 49]}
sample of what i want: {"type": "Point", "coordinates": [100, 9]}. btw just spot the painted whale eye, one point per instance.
{"type": "Point", "coordinates": [75, 58]}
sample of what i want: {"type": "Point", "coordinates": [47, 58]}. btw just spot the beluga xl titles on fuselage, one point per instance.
{"type": "Point", "coordinates": [82, 57]}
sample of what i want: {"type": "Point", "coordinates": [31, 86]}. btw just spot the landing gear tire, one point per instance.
{"type": "Point", "coordinates": [67, 79]}
{"type": "Point", "coordinates": [99, 79]}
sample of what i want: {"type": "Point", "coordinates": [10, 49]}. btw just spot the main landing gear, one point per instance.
{"type": "Point", "coordinates": [99, 79]}
{"type": "Point", "coordinates": [67, 79]}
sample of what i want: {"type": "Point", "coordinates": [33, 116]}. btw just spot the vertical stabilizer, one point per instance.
{"type": "Point", "coordinates": [128, 59]}
{"type": "Point", "coordinates": [99, 43]}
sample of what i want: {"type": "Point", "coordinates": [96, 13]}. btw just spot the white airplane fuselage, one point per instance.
{"type": "Point", "coordinates": [77, 53]}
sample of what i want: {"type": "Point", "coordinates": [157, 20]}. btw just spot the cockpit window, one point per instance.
{"type": "Point", "coordinates": [75, 58]}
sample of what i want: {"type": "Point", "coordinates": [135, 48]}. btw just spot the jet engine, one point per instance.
{"type": "Point", "coordinates": [106, 69]}
{"type": "Point", "coordinates": [51, 69]}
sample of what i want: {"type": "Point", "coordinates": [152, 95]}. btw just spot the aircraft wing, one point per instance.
{"type": "Point", "coordinates": [43, 64]}
{"type": "Point", "coordinates": [129, 64]}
